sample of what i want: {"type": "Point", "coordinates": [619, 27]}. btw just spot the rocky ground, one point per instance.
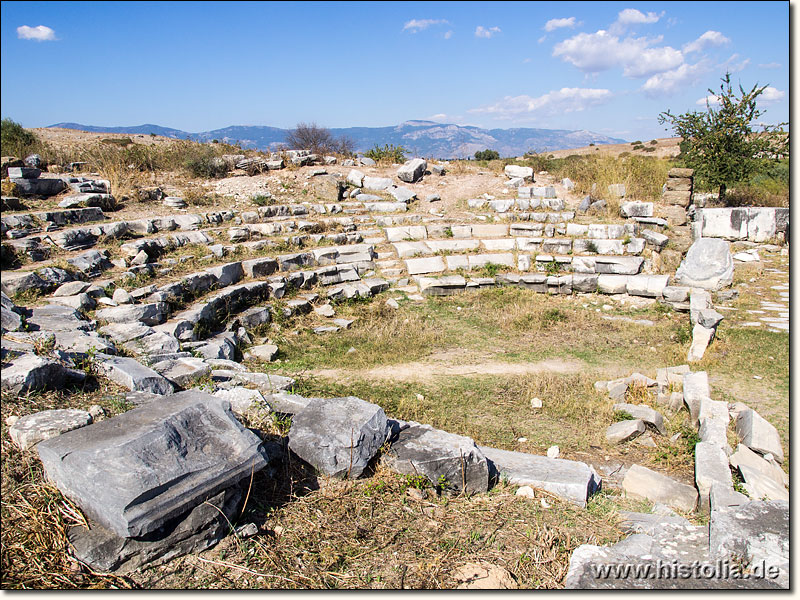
{"type": "Point", "coordinates": [308, 302]}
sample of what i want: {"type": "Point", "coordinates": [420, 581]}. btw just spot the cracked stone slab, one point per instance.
{"type": "Point", "coordinates": [137, 471]}
{"type": "Point", "coordinates": [338, 436]}
{"type": "Point", "coordinates": [570, 480]}
{"type": "Point", "coordinates": [441, 457]}
{"type": "Point", "coordinates": [37, 427]}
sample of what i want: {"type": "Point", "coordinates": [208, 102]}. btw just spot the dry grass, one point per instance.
{"type": "Point", "coordinates": [370, 534]}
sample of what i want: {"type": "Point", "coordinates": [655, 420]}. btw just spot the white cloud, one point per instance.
{"type": "Point", "coordinates": [565, 100]}
{"type": "Point", "coordinates": [448, 34]}
{"type": "Point", "coordinates": [542, 39]}
{"type": "Point", "coordinates": [483, 32]}
{"type": "Point", "coordinates": [526, 61]}
{"type": "Point", "coordinates": [631, 16]}
{"type": "Point", "coordinates": [768, 96]}
{"type": "Point", "coordinates": [709, 38]}
{"type": "Point", "coordinates": [732, 66]}
{"type": "Point", "coordinates": [40, 33]}
{"type": "Point", "coordinates": [711, 100]}
{"type": "Point", "coordinates": [415, 25]}
{"type": "Point", "coordinates": [771, 94]}
{"type": "Point", "coordinates": [669, 82]}
{"type": "Point", "coordinates": [772, 65]}
{"type": "Point", "coordinates": [652, 61]}
{"type": "Point", "coordinates": [554, 24]}
{"type": "Point", "coordinates": [598, 51]}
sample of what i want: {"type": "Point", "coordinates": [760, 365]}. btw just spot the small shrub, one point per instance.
{"type": "Point", "coordinates": [650, 149]}
{"type": "Point", "coordinates": [636, 143]}
{"type": "Point", "coordinates": [262, 200]}
{"type": "Point", "coordinates": [487, 155]}
{"type": "Point", "coordinates": [15, 140]}
{"type": "Point", "coordinates": [123, 142]}
{"type": "Point", "coordinates": [491, 269]}
{"type": "Point", "coordinates": [654, 142]}
{"type": "Point", "coordinates": [553, 267]}
{"type": "Point", "coordinates": [621, 415]}
{"type": "Point", "coordinates": [552, 316]}
{"type": "Point", "coordinates": [591, 247]}
{"type": "Point", "coordinates": [388, 154]}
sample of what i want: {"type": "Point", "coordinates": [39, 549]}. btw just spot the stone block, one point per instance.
{"type": "Point", "coordinates": [708, 264]}
{"type": "Point", "coordinates": [131, 374]}
{"type": "Point", "coordinates": [32, 429]}
{"type": "Point", "coordinates": [636, 209]}
{"type": "Point", "coordinates": [412, 171]}
{"type": "Point", "coordinates": [570, 480]}
{"type": "Point", "coordinates": [28, 373]}
{"type": "Point", "coordinates": [758, 434]}
{"type": "Point", "coordinates": [422, 266]}
{"type": "Point", "coordinates": [644, 413]}
{"type": "Point", "coordinates": [701, 338]}
{"type": "Point", "coordinates": [446, 459]}
{"type": "Point", "coordinates": [695, 390]}
{"type": "Point", "coordinates": [138, 471]}
{"type": "Point", "coordinates": [643, 483]}
{"type": "Point", "coordinates": [624, 431]}
{"type": "Point", "coordinates": [710, 468]}
{"type": "Point", "coordinates": [338, 436]}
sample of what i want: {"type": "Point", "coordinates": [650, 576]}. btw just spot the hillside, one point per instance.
{"type": "Point", "coordinates": [422, 138]}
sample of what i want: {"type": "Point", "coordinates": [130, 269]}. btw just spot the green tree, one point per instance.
{"type": "Point", "coordinates": [720, 144]}
{"type": "Point", "coordinates": [487, 155]}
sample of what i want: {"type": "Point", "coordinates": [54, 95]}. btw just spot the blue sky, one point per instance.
{"type": "Point", "coordinates": [609, 67]}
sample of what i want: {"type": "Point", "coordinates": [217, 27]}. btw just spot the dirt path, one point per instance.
{"type": "Point", "coordinates": [427, 371]}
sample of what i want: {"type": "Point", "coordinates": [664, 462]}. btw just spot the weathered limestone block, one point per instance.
{"type": "Point", "coordinates": [641, 482]}
{"type": "Point", "coordinates": [758, 434]}
{"type": "Point", "coordinates": [339, 436]}
{"type": "Point", "coordinates": [701, 338]}
{"type": "Point", "coordinates": [133, 375]}
{"type": "Point", "coordinates": [412, 171]}
{"type": "Point", "coordinates": [32, 429]}
{"type": "Point", "coordinates": [752, 533]}
{"type": "Point", "coordinates": [695, 390]}
{"type": "Point", "coordinates": [636, 209]}
{"type": "Point", "coordinates": [640, 411]}
{"type": "Point", "coordinates": [138, 471]}
{"type": "Point", "coordinates": [444, 458]}
{"type": "Point", "coordinates": [441, 286]}
{"type": "Point", "coordinates": [708, 264]}
{"type": "Point", "coordinates": [710, 468]}
{"type": "Point", "coordinates": [513, 171]}
{"type": "Point", "coordinates": [573, 481]}
{"type": "Point", "coordinates": [624, 431]}
{"type": "Point", "coordinates": [28, 372]}
{"type": "Point", "coordinates": [192, 532]}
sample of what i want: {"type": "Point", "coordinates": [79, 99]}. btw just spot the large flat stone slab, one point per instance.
{"type": "Point", "coordinates": [446, 459]}
{"type": "Point", "coordinates": [133, 375]}
{"type": "Point", "coordinates": [754, 532]}
{"type": "Point", "coordinates": [640, 482]}
{"type": "Point", "coordinates": [28, 373]}
{"type": "Point", "coordinates": [137, 471]}
{"type": "Point", "coordinates": [199, 529]}
{"type": "Point", "coordinates": [708, 264]}
{"type": "Point", "coordinates": [710, 468]}
{"type": "Point", "coordinates": [758, 434]}
{"type": "Point", "coordinates": [338, 436]}
{"type": "Point", "coordinates": [573, 481]}
{"type": "Point", "coordinates": [32, 429]}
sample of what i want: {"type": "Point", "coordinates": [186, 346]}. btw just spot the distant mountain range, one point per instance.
{"type": "Point", "coordinates": [419, 138]}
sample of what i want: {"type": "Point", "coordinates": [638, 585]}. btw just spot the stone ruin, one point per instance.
{"type": "Point", "coordinates": [164, 479]}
